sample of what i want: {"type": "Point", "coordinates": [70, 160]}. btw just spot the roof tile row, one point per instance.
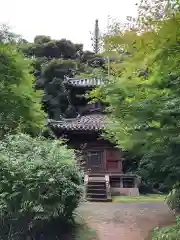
{"type": "Point", "coordinates": [94, 122]}
{"type": "Point", "coordinates": [84, 82]}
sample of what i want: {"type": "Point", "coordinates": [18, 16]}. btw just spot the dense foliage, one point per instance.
{"type": "Point", "coordinates": [52, 60]}
{"type": "Point", "coordinates": [39, 185]}
{"type": "Point", "coordinates": [20, 107]}
{"type": "Point", "coordinates": [143, 97]}
{"type": "Point", "coordinates": [55, 98]}
{"type": "Point", "coordinates": [170, 233]}
{"type": "Point", "coordinates": [173, 199]}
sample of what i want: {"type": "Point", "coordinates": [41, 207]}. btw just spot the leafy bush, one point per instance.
{"type": "Point", "coordinates": [39, 184]}
{"type": "Point", "coordinates": [173, 199]}
{"type": "Point", "coordinates": [168, 233]}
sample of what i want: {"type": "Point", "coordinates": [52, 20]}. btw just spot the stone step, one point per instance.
{"type": "Point", "coordinates": [96, 190]}
{"type": "Point", "coordinates": [96, 186]}
{"type": "Point", "coordinates": [96, 197]}
{"type": "Point", "coordinates": [93, 183]}
{"type": "Point", "coordinates": [99, 200]}
{"type": "Point", "coordinates": [96, 179]}
{"type": "Point", "coordinates": [96, 175]}
{"type": "Point", "coordinates": [97, 194]}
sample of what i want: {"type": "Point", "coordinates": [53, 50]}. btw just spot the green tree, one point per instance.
{"type": "Point", "coordinates": [143, 99]}
{"type": "Point", "coordinates": [19, 103]}
{"type": "Point", "coordinates": [6, 36]}
{"type": "Point", "coordinates": [9, 37]}
{"type": "Point", "coordinates": [44, 46]}
{"type": "Point", "coordinates": [51, 61]}
{"type": "Point", "coordinates": [40, 39]}
{"type": "Point", "coordinates": [55, 98]}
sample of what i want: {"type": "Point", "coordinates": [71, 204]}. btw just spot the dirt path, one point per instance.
{"type": "Point", "coordinates": [119, 221]}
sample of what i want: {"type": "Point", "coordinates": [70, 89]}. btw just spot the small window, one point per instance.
{"type": "Point", "coordinates": [95, 158]}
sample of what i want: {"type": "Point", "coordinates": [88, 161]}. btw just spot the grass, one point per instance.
{"type": "Point", "coordinates": [149, 198]}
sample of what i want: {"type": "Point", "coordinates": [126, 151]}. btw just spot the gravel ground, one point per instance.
{"type": "Point", "coordinates": [121, 221]}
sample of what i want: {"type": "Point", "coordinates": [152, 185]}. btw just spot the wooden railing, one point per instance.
{"type": "Point", "coordinates": [108, 190]}
{"type": "Point", "coordinates": [86, 179]}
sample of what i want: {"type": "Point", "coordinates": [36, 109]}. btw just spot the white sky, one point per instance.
{"type": "Point", "coordinates": [70, 19]}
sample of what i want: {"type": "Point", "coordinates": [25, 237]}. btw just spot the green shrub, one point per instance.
{"type": "Point", "coordinates": [168, 233]}
{"type": "Point", "coordinates": [40, 185]}
{"type": "Point", "coordinates": [173, 199]}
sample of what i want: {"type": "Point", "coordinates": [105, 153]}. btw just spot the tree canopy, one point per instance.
{"type": "Point", "coordinates": [20, 107]}
{"type": "Point", "coordinates": [52, 60]}
{"type": "Point", "coordinates": [143, 97]}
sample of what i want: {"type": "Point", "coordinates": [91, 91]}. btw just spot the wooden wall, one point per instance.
{"type": "Point", "coordinates": [112, 159]}
{"type": "Point", "coordinates": [87, 142]}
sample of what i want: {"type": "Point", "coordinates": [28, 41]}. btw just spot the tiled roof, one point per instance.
{"type": "Point", "coordinates": [94, 122]}
{"type": "Point", "coordinates": [84, 82]}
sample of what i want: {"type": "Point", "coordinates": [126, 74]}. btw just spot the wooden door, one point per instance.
{"type": "Point", "coordinates": [113, 160]}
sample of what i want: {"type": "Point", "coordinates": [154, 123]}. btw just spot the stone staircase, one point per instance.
{"type": "Point", "coordinates": [97, 188]}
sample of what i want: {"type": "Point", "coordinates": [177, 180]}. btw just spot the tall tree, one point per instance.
{"type": "Point", "coordinates": [51, 61]}
{"type": "Point", "coordinates": [20, 109]}
{"type": "Point", "coordinates": [144, 96]}
{"type": "Point", "coordinates": [40, 39]}
{"type": "Point", "coordinates": [55, 98]}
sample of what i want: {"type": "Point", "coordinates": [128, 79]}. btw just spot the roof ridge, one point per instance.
{"type": "Point", "coordinates": [64, 120]}
{"type": "Point", "coordinates": [76, 118]}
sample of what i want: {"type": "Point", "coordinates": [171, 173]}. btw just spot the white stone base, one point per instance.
{"type": "Point", "coordinates": [124, 191]}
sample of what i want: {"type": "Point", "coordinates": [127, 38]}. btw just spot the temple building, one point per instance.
{"type": "Point", "coordinates": [102, 162]}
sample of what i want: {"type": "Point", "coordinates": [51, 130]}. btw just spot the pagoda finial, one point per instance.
{"type": "Point", "coordinates": [96, 38]}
